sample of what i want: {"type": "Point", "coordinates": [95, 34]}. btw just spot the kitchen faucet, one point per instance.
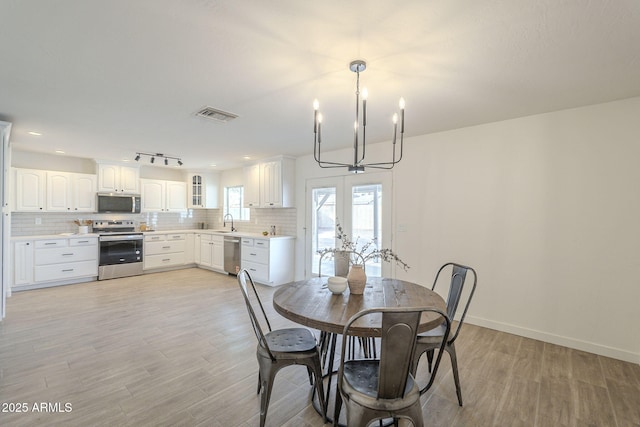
{"type": "Point", "coordinates": [224, 222]}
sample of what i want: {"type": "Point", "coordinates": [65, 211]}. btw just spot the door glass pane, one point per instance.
{"type": "Point", "coordinates": [323, 227]}
{"type": "Point", "coordinates": [366, 221]}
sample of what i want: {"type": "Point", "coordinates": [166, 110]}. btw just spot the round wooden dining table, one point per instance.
{"type": "Point", "coordinates": [311, 303]}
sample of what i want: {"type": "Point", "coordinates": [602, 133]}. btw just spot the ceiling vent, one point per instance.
{"type": "Point", "coordinates": [216, 115]}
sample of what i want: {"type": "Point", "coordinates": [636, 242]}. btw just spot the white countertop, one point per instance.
{"type": "Point", "coordinates": [55, 236]}
{"type": "Point", "coordinates": [197, 231]}
{"type": "Point", "coordinates": [221, 233]}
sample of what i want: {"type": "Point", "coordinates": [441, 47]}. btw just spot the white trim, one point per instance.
{"type": "Point", "coordinates": [590, 347]}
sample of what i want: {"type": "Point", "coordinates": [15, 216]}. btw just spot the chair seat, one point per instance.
{"type": "Point", "coordinates": [291, 340]}
{"type": "Point", "coordinates": [433, 335]}
{"type": "Point", "coordinates": [363, 376]}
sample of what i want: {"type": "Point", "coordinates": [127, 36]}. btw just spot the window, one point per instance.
{"type": "Point", "coordinates": [233, 203]}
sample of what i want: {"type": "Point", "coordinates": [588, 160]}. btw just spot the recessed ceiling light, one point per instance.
{"type": "Point", "coordinates": [126, 160]}
{"type": "Point", "coordinates": [35, 133]}
{"type": "Point", "coordinates": [59, 152]}
{"type": "Point", "coordinates": [247, 158]}
{"type": "Point", "coordinates": [213, 165]}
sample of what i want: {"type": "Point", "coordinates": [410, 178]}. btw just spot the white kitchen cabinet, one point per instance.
{"type": "Point", "coordinates": [164, 250]}
{"type": "Point", "coordinates": [212, 251]}
{"type": "Point", "coordinates": [84, 192]}
{"type": "Point", "coordinates": [269, 261]}
{"type": "Point", "coordinates": [197, 239]}
{"type": "Point", "coordinates": [30, 190]}
{"type": "Point", "coordinates": [202, 191]}
{"type": "Point", "coordinates": [251, 186]}
{"type": "Point", "coordinates": [22, 263]}
{"type": "Point", "coordinates": [70, 192]}
{"type": "Point", "coordinates": [117, 178]}
{"type": "Point", "coordinates": [189, 251]}
{"type": "Point", "coordinates": [270, 184]}
{"type": "Point", "coordinates": [65, 260]}
{"type": "Point", "coordinates": [163, 196]}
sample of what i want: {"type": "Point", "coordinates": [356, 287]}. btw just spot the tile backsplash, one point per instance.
{"type": "Point", "coordinates": [42, 223]}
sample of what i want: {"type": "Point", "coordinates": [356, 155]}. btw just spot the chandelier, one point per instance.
{"type": "Point", "coordinates": [359, 131]}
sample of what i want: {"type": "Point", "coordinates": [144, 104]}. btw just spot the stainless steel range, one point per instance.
{"type": "Point", "coordinates": [120, 249]}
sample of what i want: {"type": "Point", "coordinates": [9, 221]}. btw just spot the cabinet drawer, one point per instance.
{"type": "Point", "coordinates": [155, 237]}
{"type": "Point", "coordinates": [178, 236]}
{"type": "Point", "coordinates": [205, 237]}
{"type": "Point", "coordinates": [84, 241]}
{"type": "Point", "coordinates": [254, 254]}
{"type": "Point", "coordinates": [45, 273]}
{"type": "Point", "coordinates": [258, 272]}
{"type": "Point", "coordinates": [66, 255]}
{"type": "Point", "coordinates": [247, 242]}
{"type": "Point", "coordinates": [53, 243]}
{"type": "Point", "coordinates": [152, 248]}
{"type": "Point", "coordinates": [261, 243]}
{"type": "Point", "coordinates": [163, 260]}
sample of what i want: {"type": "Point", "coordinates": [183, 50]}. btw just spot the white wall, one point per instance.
{"type": "Point", "coordinates": [544, 207]}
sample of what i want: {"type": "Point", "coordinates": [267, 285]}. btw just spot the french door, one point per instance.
{"type": "Point", "coordinates": [361, 205]}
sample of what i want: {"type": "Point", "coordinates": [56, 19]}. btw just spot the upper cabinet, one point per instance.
{"type": "Point", "coordinates": [252, 186]}
{"type": "Point", "coordinates": [117, 178]}
{"type": "Point", "coordinates": [163, 196]}
{"type": "Point", "coordinates": [270, 184]}
{"type": "Point", "coordinates": [70, 192]}
{"type": "Point", "coordinates": [40, 191]}
{"type": "Point", "coordinates": [30, 190]}
{"type": "Point", "coordinates": [202, 190]}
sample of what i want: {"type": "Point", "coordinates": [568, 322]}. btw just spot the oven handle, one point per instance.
{"type": "Point", "coordinates": [120, 237]}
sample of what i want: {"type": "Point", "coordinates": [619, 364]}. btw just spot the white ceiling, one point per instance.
{"type": "Point", "coordinates": [104, 79]}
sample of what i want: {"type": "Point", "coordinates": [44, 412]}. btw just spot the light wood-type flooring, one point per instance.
{"type": "Point", "coordinates": [176, 349]}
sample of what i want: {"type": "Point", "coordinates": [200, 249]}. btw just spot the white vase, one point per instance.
{"type": "Point", "coordinates": [341, 263]}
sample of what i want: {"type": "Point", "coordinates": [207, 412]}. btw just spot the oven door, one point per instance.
{"type": "Point", "coordinates": [121, 249]}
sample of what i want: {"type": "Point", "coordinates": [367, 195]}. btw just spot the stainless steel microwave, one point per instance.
{"type": "Point", "coordinates": [118, 203]}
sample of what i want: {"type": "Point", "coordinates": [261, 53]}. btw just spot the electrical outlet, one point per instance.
{"type": "Point", "coordinates": [38, 221]}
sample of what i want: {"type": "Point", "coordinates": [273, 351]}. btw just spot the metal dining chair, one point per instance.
{"type": "Point", "coordinates": [279, 348]}
{"type": "Point", "coordinates": [430, 340]}
{"type": "Point", "coordinates": [376, 389]}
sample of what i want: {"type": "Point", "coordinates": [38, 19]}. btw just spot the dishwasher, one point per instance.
{"type": "Point", "coordinates": [231, 254]}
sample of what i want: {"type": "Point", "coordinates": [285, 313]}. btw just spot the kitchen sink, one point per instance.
{"type": "Point", "coordinates": [223, 231]}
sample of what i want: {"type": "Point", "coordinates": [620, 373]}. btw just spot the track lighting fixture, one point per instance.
{"type": "Point", "coordinates": [153, 156]}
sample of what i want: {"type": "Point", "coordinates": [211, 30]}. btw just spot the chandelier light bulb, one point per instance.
{"type": "Point", "coordinates": [365, 94]}
{"type": "Point", "coordinates": [316, 104]}
{"type": "Point", "coordinates": [401, 103]}
{"type": "Point", "coordinates": [395, 118]}
{"type": "Point", "coordinates": [319, 118]}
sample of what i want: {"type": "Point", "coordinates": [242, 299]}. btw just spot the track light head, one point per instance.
{"type": "Point", "coordinates": [166, 162]}
{"type": "Point", "coordinates": [153, 159]}
{"type": "Point", "coordinates": [137, 157]}
{"type": "Point", "coordinates": [179, 162]}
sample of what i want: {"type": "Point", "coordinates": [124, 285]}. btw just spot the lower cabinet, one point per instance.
{"type": "Point", "coordinates": [164, 250]}
{"type": "Point", "coordinates": [50, 262]}
{"type": "Point", "coordinates": [269, 261]}
{"type": "Point", "coordinates": [212, 251]}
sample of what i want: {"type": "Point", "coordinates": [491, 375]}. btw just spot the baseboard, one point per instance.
{"type": "Point", "coordinates": [590, 347]}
